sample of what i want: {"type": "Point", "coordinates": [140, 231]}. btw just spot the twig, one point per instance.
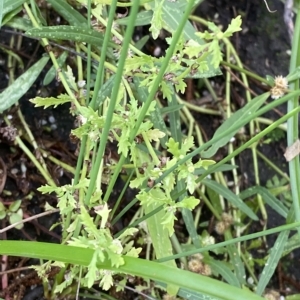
{"type": "Point", "coordinates": [271, 11]}
{"type": "Point", "coordinates": [48, 212]}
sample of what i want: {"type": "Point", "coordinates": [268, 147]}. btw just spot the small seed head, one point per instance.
{"type": "Point", "coordinates": [280, 87]}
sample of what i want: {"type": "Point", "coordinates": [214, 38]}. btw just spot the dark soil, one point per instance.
{"type": "Point", "coordinates": [263, 47]}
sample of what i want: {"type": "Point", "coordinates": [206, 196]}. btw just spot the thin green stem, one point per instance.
{"type": "Point", "coordinates": [233, 241]}
{"type": "Point", "coordinates": [292, 133]}
{"type": "Point", "coordinates": [113, 100]}
{"type": "Point", "coordinates": [250, 142]}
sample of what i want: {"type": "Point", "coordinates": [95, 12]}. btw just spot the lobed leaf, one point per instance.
{"type": "Point", "coordinates": [49, 101]}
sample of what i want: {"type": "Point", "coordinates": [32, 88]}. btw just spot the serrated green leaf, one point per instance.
{"type": "Point", "coordinates": [21, 85]}
{"type": "Point", "coordinates": [173, 147]}
{"type": "Point", "coordinates": [167, 90]}
{"type": "Point", "coordinates": [234, 26]}
{"type": "Point", "coordinates": [188, 202]}
{"type": "Point", "coordinates": [155, 135]}
{"type": "Point", "coordinates": [49, 101]}
{"type": "Point", "coordinates": [231, 197]}
{"type": "Point", "coordinates": [237, 117]}
{"type": "Point", "coordinates": [156, 115]}
{"type": "Point", "coordinates": [216, 53]}
{"type": "Point", "coordinates": [157, 19]}
{"type": "Point", "coordinates": [47, 189]}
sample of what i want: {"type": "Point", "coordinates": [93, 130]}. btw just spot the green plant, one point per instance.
{"type": "Point", "coordinates": [116, 97]}
{"type": "Point", "coordinates": [14, 213]}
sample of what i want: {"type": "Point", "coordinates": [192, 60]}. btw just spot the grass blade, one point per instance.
{"type": "Point", "coordinates": [21, 85]}
{"type": "Point", "coordinates": [231, 197]}
{"type": "Point", "coordinates": [237, 118]}
{"type": "Point", "coordinates": [270, 199]}
{"type": "Point", "coordinates": [68, 12]}
{"type": "Point", "coordinates": [272, 262]}
{"type": "Point", "coordinates": [10, 5]}
{"type": "Point", "coordinates": [221, 268]}
{"type": "Point", "coordinates": [235, 260]}
{"type": "Point", "coordinates": [52, 72]}
{"type": "Point", "coordinates": [70, 33]}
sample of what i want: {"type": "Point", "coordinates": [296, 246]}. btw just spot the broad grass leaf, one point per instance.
{"type": "Point", "coordinates": [272, 262]}
{"type": "Point", "coordinates": [211, 288]}
{"type": "Point", "coordinates": [10, 5]}
{"type": "Point", "coordinates": [270, 199]}
{"type": "Point", "coordinates": [71, 15]}
{"type": "Point", "coordinates": [19, 23]}
{"type": "Point", "coordinates": [80, 34]}
{"type": "Point", "coordinates": [231, 197]}
{"type": "Point", "coordinates": [237, 118]}
{"type": "Point", "coordinates": [21, 85]}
